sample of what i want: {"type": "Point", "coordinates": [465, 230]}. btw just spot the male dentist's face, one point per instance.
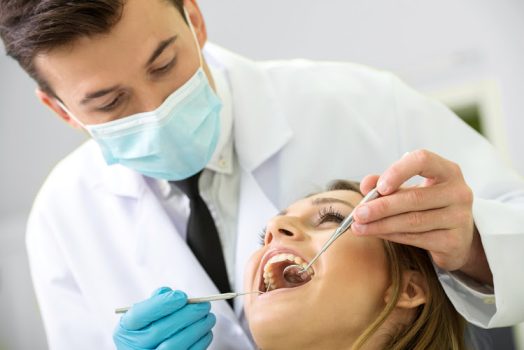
{"type": "Point", "coordinates": [149, 53]}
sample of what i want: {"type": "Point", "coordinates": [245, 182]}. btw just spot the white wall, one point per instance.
{"type": "Point", "coordinates": [432, 44]}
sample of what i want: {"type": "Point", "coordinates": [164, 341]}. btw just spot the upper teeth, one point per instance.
{"type": "Point", "coordinates": [283, 257]}
{"type": "Point", "coordinates": [268, 275]}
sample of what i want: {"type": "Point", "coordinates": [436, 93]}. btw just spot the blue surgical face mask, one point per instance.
{"type": "Point", "coordinates": [174, 141]}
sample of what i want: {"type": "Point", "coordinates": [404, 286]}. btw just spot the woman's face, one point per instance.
{"type": "Point", "coordinates": [345, 294]}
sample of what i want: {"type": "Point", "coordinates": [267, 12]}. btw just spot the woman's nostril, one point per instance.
{"type": "Point", "coordinates": [285, 232]}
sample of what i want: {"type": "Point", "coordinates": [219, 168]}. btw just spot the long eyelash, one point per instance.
{"type": "Point", "coordinates": [329, 214]}
{"type": "Point", "coordinates": [262, 236]}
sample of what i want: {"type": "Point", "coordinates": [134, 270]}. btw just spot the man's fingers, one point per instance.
{"type": "Point", "coordinates": [407, 200]}
{"type": "Point", "coordinates": [161, 304]}
{"type": "Point", "coordinates": [421, 162]}
{"type": "Point", "coordinates": [413, 222]}
{"type": "Point", "coordinates": [368, 183]}
{"type": "Point", "coordinates": [439, 243]}
{"type": "Point", "coordinates": [191, 335]}
{"type": "Point", "coordinates": [203, 343]}
{"type": "Point", "coordinates": [169, 326]}
{"type": "Point", "coordinates": [436, 240]}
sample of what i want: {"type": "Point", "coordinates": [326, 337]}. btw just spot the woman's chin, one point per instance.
{"type": "Point", "coordinates": [272, 318]}
{"type": "Point", "coordinates": [271, 332]}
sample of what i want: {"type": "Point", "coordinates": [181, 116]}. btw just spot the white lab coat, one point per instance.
{"type": "Point", "coordinates": [98, 237]}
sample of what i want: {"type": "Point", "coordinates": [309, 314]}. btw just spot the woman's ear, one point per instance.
{"type": "Point", "coordinates": [413, 290]}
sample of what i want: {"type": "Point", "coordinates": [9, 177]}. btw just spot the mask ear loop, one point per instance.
{"type": "Point", "coordinates": [72, 116]}
{"type": "Point", "coordinates": [188, 20]}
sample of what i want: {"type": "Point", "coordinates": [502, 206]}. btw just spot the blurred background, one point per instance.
{"type": "Point", "coordinates": [466, 53]}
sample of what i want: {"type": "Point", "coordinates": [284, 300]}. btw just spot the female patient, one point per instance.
{"type": "Point", "coordinates": [365, 293]}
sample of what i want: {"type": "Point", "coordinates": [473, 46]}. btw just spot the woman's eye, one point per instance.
{"type": "Point", "coordinates": [329, 215]}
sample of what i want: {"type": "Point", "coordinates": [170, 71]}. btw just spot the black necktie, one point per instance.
{"type": "Point", "coordinates": [202, 235]}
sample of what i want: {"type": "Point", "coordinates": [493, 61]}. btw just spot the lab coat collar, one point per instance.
{"type": "Point", "coordinates": [115, 179]}
{"type": "Point", "coordinates": [260, 127]}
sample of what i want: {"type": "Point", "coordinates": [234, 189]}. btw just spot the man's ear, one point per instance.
{"type": "Point", "coordinates": [53, 104]}
{"type": "Point", "coordinates": [413, 290]}
{"type": "Point", "coordinates": [197, 20]}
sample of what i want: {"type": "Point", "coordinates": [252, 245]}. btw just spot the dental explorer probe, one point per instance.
{"type": "Point", "coordinates": [214, 297]}
{"type": "Point", "coordinates": [296, 273]}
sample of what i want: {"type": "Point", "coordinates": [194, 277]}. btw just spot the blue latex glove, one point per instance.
{"type": "Point", "coordinates": [165, 321]}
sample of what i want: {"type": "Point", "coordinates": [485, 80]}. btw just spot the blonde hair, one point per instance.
{"type": "Point", "coordinates": [437, 325]}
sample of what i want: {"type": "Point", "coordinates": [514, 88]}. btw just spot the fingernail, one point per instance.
{"type": "Point", "coordinates": [161, 290]}
{"type": "Point", "coordinates": [405, 154]}
{"type": "Point", "coordinates": [358, 228]}
{"type": "Point", "coordinates": [362, 212]}
{"type": "Point", "coordinates": [178, 294]}
{"type": "Point", "coordinates": [382, 186]}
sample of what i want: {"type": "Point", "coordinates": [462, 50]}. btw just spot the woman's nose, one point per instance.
{"type": "Point", "coordinates": [282, 228]}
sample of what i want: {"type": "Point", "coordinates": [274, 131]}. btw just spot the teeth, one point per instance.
{"type": "Point", "coordinates": [268, 273]}
{"type": "Point", "coordinates": [282, 257]}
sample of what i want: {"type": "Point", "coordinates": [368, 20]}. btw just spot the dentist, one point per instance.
{"type": "Point", "coordinates": [192, 148]}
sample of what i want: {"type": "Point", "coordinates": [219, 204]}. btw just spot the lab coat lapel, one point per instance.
{"type": "Point", "coordinates": [160, 251]}
{"type": "Point", "coordinates": [260, 127]}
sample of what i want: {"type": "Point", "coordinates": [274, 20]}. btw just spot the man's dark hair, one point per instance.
{"type": "Point", "coordinates": [30, 27]}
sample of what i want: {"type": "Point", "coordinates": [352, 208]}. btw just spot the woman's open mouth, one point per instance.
{"type": "Point", "coordinates": [272, 270]}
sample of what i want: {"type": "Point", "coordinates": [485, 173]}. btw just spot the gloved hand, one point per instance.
{"type": "Point", "coordinates": [165, 321]}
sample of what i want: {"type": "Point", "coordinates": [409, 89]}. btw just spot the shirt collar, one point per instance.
{"type": "Point", "coordinates": [222, 159]}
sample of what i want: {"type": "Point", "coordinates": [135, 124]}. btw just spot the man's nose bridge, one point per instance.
{"type": "Point", "coordinates": [151, 97]}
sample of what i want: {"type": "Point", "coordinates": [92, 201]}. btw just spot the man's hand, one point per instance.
{"type": "Point", "coordinates": [165, 321]}
{"type": "Point", "coordinates": [435, 215]}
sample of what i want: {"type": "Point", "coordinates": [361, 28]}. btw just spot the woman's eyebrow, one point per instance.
{"type": "Point", "coordinates": [328, 200]}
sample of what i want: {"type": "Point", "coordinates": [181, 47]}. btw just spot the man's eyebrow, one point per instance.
{"type": "Point", "coordinates": [160, 48]}
{"type": "Point", "coordinates": [99, 93]}
{"type": "Point", "coordinates": [328, 200]}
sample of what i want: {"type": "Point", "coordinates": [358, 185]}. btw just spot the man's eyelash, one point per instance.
{"type": "Point", "coordinates": [111, 105]}
{"type": "Point", "coordinates": [329, 214]}
{"type": "Point", "coordinates": [165, 68]}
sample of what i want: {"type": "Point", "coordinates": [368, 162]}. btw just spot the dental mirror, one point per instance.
{"type": "Point", "coordinates": [295, 274]}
